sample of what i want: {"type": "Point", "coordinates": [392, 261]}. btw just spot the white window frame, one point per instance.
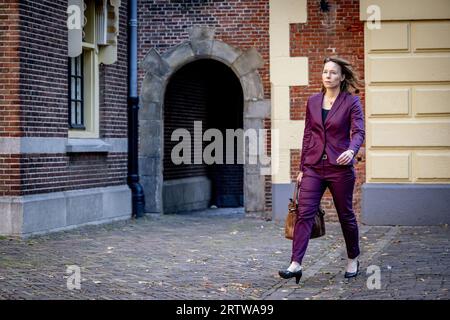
{"type": "Point", "coordinates": [91, 87]}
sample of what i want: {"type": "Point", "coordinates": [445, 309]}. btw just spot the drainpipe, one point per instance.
{"type": "Point", "coordinates": [138, 200]}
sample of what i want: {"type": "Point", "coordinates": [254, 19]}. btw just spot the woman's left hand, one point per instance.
{"type": "Point", "coordinates": [345, 157]}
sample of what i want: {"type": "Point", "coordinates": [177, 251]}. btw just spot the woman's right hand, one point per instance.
{"type": "Point", "coordinates": [299, 177]}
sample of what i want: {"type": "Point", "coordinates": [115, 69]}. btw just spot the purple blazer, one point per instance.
{"type": "Point", "coordinates": [333, 137]}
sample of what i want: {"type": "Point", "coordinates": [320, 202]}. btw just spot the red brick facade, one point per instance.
{"type": "Point", "coordinates": [43, 68]}
{"type": "Point", "coordinates": [9, 94]}
{"type": "Point", "coordinates": [34, 102]}
{"type": "Point", "coordinates": [9, 66]}
{"type": "Point", "coordinates": [241, 24]}
{"type": "Point", "coordinates": [337, 32]}
{"type": "Point", "coordinates": [34, 92]}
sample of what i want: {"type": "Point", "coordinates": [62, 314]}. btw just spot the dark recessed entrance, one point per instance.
{"type": "Point", "coordinates": [205, 94]}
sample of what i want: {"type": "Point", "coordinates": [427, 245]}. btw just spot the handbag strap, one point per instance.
{"type": "Point", "coordinates": [294, 196]}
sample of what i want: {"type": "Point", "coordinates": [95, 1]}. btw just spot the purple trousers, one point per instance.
{"type": "Point", "coordinates": [316, 178]}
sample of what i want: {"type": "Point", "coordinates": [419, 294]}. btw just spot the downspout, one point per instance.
{"type": "Point", "coordinates": [137, 199]}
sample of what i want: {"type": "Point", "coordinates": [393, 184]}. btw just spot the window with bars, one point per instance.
{"type": "Point", "coordinates": [76, 105]}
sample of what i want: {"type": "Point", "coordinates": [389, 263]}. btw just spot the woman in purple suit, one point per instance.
{"type": "Point", "coordinates": [334, 132]}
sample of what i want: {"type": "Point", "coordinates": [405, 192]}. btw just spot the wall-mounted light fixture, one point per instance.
{"type": "Point", "coordinates": [324, 6]}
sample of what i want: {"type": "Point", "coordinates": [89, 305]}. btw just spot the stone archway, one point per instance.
{"type": "Point", "coordinates": [158, 69]}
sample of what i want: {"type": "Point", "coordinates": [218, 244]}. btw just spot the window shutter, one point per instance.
{"type": "Point", "coordinates": [108, 52]}
{"type": "Point", "coordinates": [101, 21]}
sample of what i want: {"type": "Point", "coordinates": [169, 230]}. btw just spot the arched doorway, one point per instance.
{"type": "Point", "coordinates": [158, 71]}
{"type": "Point", "coordinates": [200, 96]}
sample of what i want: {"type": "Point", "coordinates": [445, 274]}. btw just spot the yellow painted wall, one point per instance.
{"type": "Point", "coordinates": [285, 71]}
{"type": "Point", "coordinates": [407, 72]}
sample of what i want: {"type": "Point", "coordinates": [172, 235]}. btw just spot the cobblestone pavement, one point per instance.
{"type": "Point", "coordinates": [220, 254]}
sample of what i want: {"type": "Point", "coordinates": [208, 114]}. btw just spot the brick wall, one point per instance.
{"type": "Point", "coordinates": [242, 24]}
{"type": "Point", "coordinates": [9, 68]}
{"type": "Point", "coordinates": [9, 93]}
{"type": "Point", "coordinates": [113, 86]}
{"type": "Point", "coordinates": [40, 110]}
{"type": "Point", "coordinates": [9, 174]}
{"type": "Point", "coordinates": [41, 102]}
{"type": "Point", "coordinates": [337, 32]}
{"type": "Point", "coordinates": [70, 172]}
{"type": "Point", "coordinates": [43, 68]}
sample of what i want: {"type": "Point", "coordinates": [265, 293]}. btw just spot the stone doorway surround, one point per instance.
{"type": "Point", "coordinates": [158, 69]}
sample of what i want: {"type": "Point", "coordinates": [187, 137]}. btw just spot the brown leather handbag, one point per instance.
{"type": "Point", "coordinates": [318, 229]}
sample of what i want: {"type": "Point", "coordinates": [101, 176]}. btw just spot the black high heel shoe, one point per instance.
{"type": "Point", "coordinates": [352, 274]}
{"type": "Point", "coordinates": [285, 274]}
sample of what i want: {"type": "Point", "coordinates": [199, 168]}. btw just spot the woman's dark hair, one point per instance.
{"type": "Point", "coordinates": [351, 78]}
